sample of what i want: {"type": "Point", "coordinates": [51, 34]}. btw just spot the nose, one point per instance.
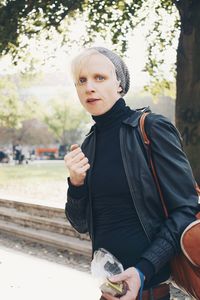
{"type": "Point", "coordinates": [89, 86]}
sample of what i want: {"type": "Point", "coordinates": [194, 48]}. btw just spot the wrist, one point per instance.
{"type": "Point", "coordinates": [75, 182]}
{"type": "Point", "coordinates": [76, 191]}
{"type": "Point", "coordinates": [141, 274]}
{"type": "Point", "coordinates": [142, 279]}
{"type": "Point", "coordinates": [147, 268]}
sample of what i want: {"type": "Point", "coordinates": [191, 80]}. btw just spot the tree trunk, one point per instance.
{"type": "Point", "coordinates": [188, 82]}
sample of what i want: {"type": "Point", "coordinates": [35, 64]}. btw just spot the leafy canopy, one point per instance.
{"type": "Point", "coordinates": [22, 20]}
{"type": "Point", "coordinates": [30, 17]}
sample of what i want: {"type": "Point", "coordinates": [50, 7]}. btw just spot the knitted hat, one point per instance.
{"type": "Point", "coordinates": [120, 68]}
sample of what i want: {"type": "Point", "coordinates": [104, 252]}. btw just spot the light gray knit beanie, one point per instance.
{"type": "Point", "coordinates": [120, 68]}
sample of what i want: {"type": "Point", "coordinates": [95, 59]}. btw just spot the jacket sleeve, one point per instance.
{"type": "Point", "coordinates": [178, 188]}
{"type": "Point", "coordinates": [76, 207]}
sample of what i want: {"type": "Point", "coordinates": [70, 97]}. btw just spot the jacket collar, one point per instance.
{"type": "Point", "coordinates": [131, 120]}
{"type": "Point", "coordinates": [92, 129]}
{"type": "Point", "coordinates": [135, 116]}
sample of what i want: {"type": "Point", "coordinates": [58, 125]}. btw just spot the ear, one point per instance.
{"type": "Point", "coordinates": [119, 90]}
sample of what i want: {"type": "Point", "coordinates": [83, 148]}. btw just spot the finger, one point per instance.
{"type": "Point", "coordinates": [78, 165]}
{"type": "Point", "coordinates": [71, 155]}
{"type": "Point", "coordinates": [74, 150]}
{"type": "Point", "coordinates": [109, 297]}
{"type": "Point", "coordinates": [120, 277]}
{"type": "Point", "coordinates": [78, 157]}
{"type": "Point", "coordinates": [73, 147]}
{"type": "Point", "coordinates": [85, 168]}
{"type": "Point", "coordinates": [130, 295]}
{"type": "Point", "coordinates": [82, 163]}
{"type": "Point", "coordinates": [82, 170]}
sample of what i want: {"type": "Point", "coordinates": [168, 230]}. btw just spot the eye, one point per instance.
{"type": "Point", "coordinates": [100, 77]}
{"type": "Point", "coordinates": [82, 80]}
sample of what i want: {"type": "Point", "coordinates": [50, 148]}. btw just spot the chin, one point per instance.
{"type": "Point", "coordinates": [99, 113]}
{"type": "Point", "coordinates": [95, 114]}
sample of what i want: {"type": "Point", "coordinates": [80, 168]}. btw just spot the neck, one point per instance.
{"type": "Point", "coordinates": [113, 116]}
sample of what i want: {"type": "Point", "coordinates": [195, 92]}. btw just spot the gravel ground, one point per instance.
{"type": "Point", "coordinates": [70, 259]}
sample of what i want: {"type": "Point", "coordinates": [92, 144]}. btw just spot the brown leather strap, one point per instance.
{"type": "Point", "coordinates": [144, 135]}
{"type": "Point", "coordinates": [147, 142]}
{"type": "Point", "coordinates": [198, 189]}
{"type": "Point", "coordinates": [158, 292]}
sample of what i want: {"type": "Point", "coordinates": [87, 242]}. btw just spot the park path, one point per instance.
{"type": "Point", "coordinates": [25, 277]}
{"type": "Point", "coordinates": [47, 202]}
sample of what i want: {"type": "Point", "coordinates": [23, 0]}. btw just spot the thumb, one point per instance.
{"type": "Point", "coordinates": [73, 147]}
{"type": "Point", "coordinates": [119, 277]}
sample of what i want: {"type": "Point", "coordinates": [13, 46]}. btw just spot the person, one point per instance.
{"type": "Point", "coordinates": [112, 193]}
{"type": "Point", "coordinates": [4, 157]}
{"type": "Point", "coordinates": [17, 150]}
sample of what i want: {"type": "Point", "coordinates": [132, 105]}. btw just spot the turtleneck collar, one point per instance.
{"type": "Point", "coordinates": [113, 116]}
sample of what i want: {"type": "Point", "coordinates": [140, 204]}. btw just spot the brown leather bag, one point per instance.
{"type": "Point", "coordinates": [185, 267]}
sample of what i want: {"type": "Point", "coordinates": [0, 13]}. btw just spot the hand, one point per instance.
{"type": "Point", "coordinates": [132, 278]}
{"type": "Point", "coordinates": [77, 164]}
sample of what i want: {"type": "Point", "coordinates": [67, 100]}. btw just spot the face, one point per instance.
{"type": "Point", "coordinates": [98, 88]}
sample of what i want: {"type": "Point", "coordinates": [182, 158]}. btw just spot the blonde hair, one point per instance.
{"type": "Point", "coordinates": [78, 62]}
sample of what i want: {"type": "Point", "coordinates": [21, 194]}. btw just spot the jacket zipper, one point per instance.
{"type": "Point", "coordinates": [129, 183]}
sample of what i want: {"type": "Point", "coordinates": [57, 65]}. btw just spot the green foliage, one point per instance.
{"type": "Point", "coordinates": [29, 79]}
{"type": "Point", "coordinates": [160, 36]}
{"type": "Point", "coordinates": [159, 88]}
{"type": "Point", "coordinates": [29, 18]}
{"type": "Point", "coordinates": [22, 20]}
{"type": "Point", "coordinates": [118, 17]}
{"type": "Point", "coordinates": [10, 106]}
{"type": "Point", "coordinates": [14, 110]}
{"type": "Point", "coordinates": [63, 119]}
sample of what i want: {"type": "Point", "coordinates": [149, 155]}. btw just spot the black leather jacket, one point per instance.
{"type": "Point", "coordinates": [175, 177]}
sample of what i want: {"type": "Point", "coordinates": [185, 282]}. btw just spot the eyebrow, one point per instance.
{"type": "Point", "coordinates": [100, 74]}
{"type": "Point", "coordinates": [95, 74]}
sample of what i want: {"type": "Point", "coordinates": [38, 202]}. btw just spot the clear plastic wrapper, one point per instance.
{"type": "Point", "coordinates": [103, 266]}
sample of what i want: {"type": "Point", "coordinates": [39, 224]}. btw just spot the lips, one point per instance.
{"type": "Point", "coordinates": [91, 100]}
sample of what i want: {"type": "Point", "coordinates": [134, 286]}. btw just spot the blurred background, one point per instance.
{"type": "Point", "coordinates": [40, 115]}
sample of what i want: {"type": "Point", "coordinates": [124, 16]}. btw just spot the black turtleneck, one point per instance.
{"type": "Point", "coordinates": [116, 224]}
{"type": "Point", "coordinates": [112, 117]}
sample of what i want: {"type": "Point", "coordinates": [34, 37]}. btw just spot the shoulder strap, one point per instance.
{"type": "Point", "coordinates": [142, 129]}
{"type": "Point", "coordinates": [153, 169]}
{"type": "Point", "coordinates": [198, 189]}
{"type": "Point", "coordinates": [148, 143]}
